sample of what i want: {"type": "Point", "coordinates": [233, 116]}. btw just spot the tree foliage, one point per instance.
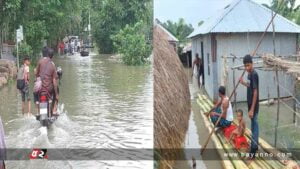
{"type": "Point", "coordinates": [179, 29]}
{"type": "Point", "coordinates": [286, 8]}
{"type": "Point", "coordinates": [41, 20]}
{"type": "Point", "coordinates": [35, 33]}
{"type": "Point", "coordinates": [24, 51]}
{"type": "Point", "coordinates": [52, 20]}
{"type": "Point", "coordinates": [114, 15]}
{"type": "Point", "coordinates": [131, 43]}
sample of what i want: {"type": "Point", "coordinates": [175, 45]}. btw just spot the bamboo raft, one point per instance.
{"type": "Point", "coordinates": [223, 146]}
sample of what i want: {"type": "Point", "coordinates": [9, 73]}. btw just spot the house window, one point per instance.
{"type": "Point", "coordinates": [208, 64]}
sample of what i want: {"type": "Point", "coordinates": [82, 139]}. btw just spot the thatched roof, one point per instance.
{"type": "Point", "coordinates": [169, 35]}
{"type": "Point", "coordinates": [290, 66]}
{"type": "Point", "coordinates": [172, 104]}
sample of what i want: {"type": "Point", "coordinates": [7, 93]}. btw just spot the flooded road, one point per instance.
{"type": "Point", "coordinates": [104, 105]}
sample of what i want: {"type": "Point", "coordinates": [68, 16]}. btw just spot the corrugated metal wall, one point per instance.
{"type": "Point", "coordinates": [196, 48]}
{"type": "Point", "coordinates": [241, 44]}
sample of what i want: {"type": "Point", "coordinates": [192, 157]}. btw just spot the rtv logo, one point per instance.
{"type": "Point", "coordinates": [38, 154]}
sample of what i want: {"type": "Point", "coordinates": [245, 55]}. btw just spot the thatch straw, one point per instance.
{"type": "Point", "coordinates": [172, 104]}
{"type": "Point", "coordinates": [291, 67]}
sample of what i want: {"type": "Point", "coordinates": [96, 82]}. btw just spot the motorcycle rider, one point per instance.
{"type": "Point", "coordinates": [46, 70]}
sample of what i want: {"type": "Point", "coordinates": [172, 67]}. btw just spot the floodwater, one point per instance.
{"type": "Point", "coordinates": [196, 135]}
{"type": "Point", "coordinates": [104, 104]}
{"type": "Point", "coordinates": [288, 133]}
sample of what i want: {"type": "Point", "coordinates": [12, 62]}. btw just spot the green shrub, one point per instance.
{"type": "Point", "coordinates": [131, 43]}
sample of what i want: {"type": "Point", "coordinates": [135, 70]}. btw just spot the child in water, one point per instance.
{"type": "Point", "coordinates": [240, 130]}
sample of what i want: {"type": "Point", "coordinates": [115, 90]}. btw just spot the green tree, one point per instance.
{"type": "Point", "coordinates": [42, 20]}
{"type": "Point", "coordinates": [114, 15]}
{"type": "Point", "coordinates": [35, 32]}
{"type": "Point", "coordinates": [286, 8]}
{"type": "Point", "coordinates": [52, 20]}
{"type": "Point", "coordinates": [8, 10]}
{"type": "Point", "coordinates": [179, 29]}
{"type": "Point", "coordinates": [24, 51]}
{"type": "Point", "coordinates": [131, 43]}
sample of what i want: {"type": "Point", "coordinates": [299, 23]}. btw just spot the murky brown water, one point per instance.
{"type": "Point", "coordinates": [105, 105]}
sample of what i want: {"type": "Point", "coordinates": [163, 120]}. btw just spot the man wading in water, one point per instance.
{"type": "Point", "coordinates": [252, 99]}
{"type": "Point", "coordinates": [198, 64]}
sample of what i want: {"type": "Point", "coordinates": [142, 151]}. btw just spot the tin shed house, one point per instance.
{"type": "Point", "coordinates": [236, 30]}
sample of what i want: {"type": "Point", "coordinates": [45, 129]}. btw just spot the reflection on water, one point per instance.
{"type": "Point", "coordinates": [196, 135]}
{"type": "Point", "coordinates": [104, 105]}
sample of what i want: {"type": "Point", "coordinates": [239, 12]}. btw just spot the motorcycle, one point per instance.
{"type": "Point", "coordinates": [46, 105]}
{"type": "Point", "coordinates": [45, 116]}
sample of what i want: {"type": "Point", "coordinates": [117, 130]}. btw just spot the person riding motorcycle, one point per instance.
{"type": "Point", "coordinates": [46, 70]}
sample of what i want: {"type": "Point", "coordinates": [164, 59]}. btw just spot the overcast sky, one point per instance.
{"type": "Point", "coordinates": [193, 11]}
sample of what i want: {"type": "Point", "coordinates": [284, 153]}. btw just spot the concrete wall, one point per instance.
{"type": "Point", "coordinates": [241, 44]}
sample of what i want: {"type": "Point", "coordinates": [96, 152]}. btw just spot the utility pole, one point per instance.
{"type": "Point", "coordinates": [89, 28]}
{"type": "Point", "coordinates": [19, 38]}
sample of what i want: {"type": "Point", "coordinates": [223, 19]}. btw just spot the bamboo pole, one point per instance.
{"type": "Point", "coordinates": [205, 105]}
{"type": "Point", "coordinates": [1, 43]}
{"type": "Point", "coordinates": [278, 107]}
{"type": "Point", "coordinates": [295, 104]}
{"type": "Point", "coordinates": [277, 86]}
{"type": "Point", "coordinates": [233, 61]}
{"type": "Point", "coordinates": [226, 162]}
{"type": "Point", "coordinates": [253, 54]}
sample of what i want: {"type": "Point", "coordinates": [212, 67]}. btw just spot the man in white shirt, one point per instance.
{"type": "Point", "coordinates": [223, 108]}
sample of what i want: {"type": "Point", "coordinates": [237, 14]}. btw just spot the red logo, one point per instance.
{"type": "Point", "coordinates": [38, 154]}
